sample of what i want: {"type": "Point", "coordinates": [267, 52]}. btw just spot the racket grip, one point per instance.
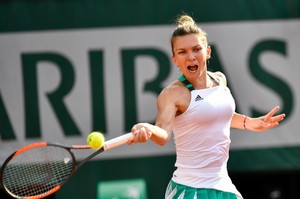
{"type": "Point", "coordinates": [118, 141]}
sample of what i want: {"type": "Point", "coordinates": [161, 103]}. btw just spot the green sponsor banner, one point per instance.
{"type": "Point", "coordinates": [22, 15]}
{"type": "Point", "coordinates": [122, 189]}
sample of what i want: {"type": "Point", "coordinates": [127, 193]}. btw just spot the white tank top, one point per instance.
{"type": "Point", "coordinates": [202, 139]}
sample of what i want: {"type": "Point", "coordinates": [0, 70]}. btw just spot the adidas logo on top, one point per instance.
{"type": "Point", "coordinates": [198, 98]}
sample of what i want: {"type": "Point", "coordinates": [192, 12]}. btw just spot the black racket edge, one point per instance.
{"type": "Point", "coordinates": [45, 144]}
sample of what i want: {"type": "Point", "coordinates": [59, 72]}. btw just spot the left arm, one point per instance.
{"type": "Point", "coordinates": [257, 124]}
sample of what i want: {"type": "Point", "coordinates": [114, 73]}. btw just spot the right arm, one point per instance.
{"type": "Point", "coordinates": [159, 133]}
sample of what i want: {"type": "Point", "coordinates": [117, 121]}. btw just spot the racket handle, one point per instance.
{"type": "Point", "coordinates": [118, 141]}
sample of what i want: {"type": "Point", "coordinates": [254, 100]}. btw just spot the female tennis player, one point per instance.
{"type": "Point", "coordinates": [199, 110]}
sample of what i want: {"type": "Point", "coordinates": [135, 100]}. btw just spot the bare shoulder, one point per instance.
{"type": "Point", "coordinates": [173, 90]}
{"type": "Point", "coordinates": [176, 95]}
{"type": "Point", "coordinates": [219, 76]}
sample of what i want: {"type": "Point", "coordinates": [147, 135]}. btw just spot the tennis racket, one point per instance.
{"type": "Point", "coordinates": [40, 169]}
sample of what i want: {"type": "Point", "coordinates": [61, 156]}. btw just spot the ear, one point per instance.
{"type": "Point", "coordinates": [208, 51]}
{"type": "Point", "coordinates": [174, 60]}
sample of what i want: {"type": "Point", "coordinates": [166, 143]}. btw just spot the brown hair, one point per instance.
{"type": "Point", "coordinates": [186, 26]}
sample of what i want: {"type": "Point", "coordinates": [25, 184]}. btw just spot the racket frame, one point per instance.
{"type": "Point", "coordinates": [110, 144]}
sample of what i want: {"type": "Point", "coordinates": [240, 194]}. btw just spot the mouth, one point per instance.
{"type": "Point", "coordinates": [192, 68]}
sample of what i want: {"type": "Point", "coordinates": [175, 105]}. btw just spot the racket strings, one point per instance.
{"type": "Point", "coordinates": [36, 171]}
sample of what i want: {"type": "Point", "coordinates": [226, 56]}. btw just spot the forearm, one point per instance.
{"type": "Point", "coordinates": [257, 124]}
{"type": "Point", "coordinates": [239, 121]}
{"type": "Point", "coordinates": [159, 135]}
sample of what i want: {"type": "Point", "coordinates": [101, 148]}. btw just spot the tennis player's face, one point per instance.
{"type": "Point", "coordinates": [190, 54]}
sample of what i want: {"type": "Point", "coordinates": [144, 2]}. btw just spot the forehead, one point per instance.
{"type": "Point", "coordinates": [188, 41]}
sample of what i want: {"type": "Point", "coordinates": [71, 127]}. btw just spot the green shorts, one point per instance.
{"type": "Point", "coordinates": [178, 191]}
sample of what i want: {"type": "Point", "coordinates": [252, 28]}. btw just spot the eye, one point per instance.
{"type": "Point", "coordinates": [198, 49]}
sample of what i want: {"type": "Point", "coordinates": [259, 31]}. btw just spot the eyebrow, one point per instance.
{"type": "Point", "coordinates": [179, 49]}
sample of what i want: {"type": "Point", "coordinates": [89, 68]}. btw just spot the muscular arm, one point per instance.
{"type": "Point", "coordinates": [169, 103]}
{"type": "Point", "coordinates": [166, 106]}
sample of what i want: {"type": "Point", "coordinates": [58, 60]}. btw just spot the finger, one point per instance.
{"type": "Point", "coordinates": [133, 129]}
{"type": "Point", "coordinates": [136, 136]}
{"type": "Point", "coordinates": [278, 118]}
{"type": "Point", "coordinates": [143, 135]}
{"type": "Point", "coordinates": [129, 142]}
{"type": "Point", "coordinates": [271, 113]}
{"type": "Point", "coordinates": [148, 133]}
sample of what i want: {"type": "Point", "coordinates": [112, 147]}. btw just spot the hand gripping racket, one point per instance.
{"type": "Point", "coordinates": [40, 169]}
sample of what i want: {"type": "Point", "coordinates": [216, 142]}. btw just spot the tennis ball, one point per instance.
{"type": "Point", "coordinates": [95, 140]}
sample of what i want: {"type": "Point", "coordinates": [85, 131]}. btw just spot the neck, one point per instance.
{"type": "Point", "coordinates": [202, 82]}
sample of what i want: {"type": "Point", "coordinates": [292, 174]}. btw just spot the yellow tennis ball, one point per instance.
{"type": "Point", "coordinates": [95, 140]}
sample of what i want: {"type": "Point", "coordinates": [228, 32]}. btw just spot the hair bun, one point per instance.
{"type": "Point", "coordinates": [186, 20]}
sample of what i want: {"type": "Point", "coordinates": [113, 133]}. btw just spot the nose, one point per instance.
{"type": "Point", "coordinates": [191, 56]}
